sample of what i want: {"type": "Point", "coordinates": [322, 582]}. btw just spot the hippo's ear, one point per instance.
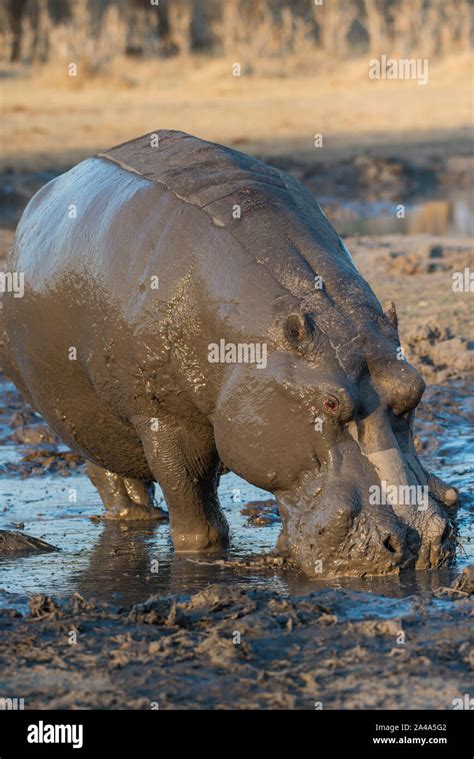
{"type": "Point", "coordinates": [298, 328]}
{"type": "Point", "coordinates": [391, 313]}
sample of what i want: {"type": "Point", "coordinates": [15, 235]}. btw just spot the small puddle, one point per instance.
{"type": "Point", "coordinates": [448, 217]}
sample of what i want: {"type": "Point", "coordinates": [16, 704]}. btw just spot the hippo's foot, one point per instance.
{"type": "Point", "coordinates": [208, 537]}
{"type": "Point", "coordinates": [124, 497]}
{"type": "Point", "coordinates": [282, 547]}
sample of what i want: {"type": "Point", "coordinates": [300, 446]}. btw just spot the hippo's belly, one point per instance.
{"type": "Point", "coordinates": [81, 408]}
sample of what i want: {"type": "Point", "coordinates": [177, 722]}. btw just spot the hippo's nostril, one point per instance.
{"type": "Point", "coordinates": [390, 545]}
{"type": "Point", "coordinates": [395, 545]}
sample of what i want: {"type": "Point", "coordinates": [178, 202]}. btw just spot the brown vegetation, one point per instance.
{"type": "Point", "coordinates": [96, 32]}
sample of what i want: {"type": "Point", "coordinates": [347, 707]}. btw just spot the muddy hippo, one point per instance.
{"type": "Point", "coordinates": [187, 308]}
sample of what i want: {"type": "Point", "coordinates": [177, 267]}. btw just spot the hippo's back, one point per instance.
{"type": "Point", "coordinates": [200, 172]}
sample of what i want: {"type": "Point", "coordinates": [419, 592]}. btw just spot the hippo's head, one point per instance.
{"type": "Point", "coordinates": [326, 426]}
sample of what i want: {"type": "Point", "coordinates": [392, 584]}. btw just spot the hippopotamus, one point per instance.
{"type": "Point", "coordinates": [189, 310]}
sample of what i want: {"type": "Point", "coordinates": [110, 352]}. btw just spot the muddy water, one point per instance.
{"type": "Point", "coordinates": [450, 217]}
{"type": "Point", "coordinates": [126, 564]}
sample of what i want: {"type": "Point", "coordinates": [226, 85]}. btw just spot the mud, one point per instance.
{"type": "Point", "coordinates": [239, 648]}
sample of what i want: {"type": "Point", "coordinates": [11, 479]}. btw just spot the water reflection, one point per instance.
{"type": "Point", "coordinates": [451, 217]}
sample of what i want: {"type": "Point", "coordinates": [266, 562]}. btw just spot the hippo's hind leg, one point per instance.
{"type": "Point", "coordinates": [124, 497]}
{"type": "Point", "coordinates": [184, 460]}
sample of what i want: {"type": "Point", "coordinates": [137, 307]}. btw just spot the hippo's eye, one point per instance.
{"type": "Point", "coordinates": [330, 404]}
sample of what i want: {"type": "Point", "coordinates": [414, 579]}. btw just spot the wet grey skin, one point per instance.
{"type": "Point", "coordinates": [328, 417]}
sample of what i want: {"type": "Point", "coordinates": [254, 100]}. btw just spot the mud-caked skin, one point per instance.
{"type": "Point", "coordinates": [138, 260]}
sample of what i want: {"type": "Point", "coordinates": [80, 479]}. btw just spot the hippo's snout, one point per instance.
{"type": "Point", "coordinates": [341, 535]}
{"type": "Point", "coordinates": [369, 510]}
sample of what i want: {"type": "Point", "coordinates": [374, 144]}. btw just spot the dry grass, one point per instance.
{"type": "Point", "coordinates": [51, 119]}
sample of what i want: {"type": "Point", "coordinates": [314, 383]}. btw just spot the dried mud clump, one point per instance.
{"type": "Point", "coordinates": [438, 351]}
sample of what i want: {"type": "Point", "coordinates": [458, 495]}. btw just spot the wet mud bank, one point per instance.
{"type": "Point", "coordinates": [240, 648]}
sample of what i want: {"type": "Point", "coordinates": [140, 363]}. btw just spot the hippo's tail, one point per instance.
{"type": "Point", "coordinates": [3, 337]}
{"type": "Point", "coordinates": [5, 362]}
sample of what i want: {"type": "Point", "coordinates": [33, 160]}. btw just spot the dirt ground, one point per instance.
{"type": "Point", "coordinates": [240, 645]}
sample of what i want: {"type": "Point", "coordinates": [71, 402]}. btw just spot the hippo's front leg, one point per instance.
{"type": "Point", "coordinates": [183, 458]}
{"type": "Point", "coordinates": [124, 497]}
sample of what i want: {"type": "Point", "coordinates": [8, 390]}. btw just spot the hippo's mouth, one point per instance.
{"type": "Point", "coordinates": [369, 509]}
